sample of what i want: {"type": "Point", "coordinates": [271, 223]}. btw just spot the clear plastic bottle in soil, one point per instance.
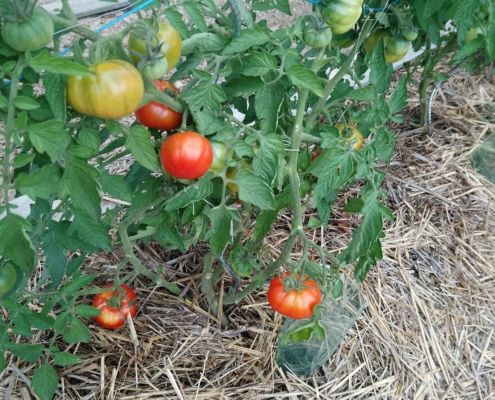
{"type": "Point", "coordinates": [337, 318]}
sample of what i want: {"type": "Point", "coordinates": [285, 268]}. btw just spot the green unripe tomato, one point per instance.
{"type": "Point", "coordinates": [30, 35]}
{"type": "Point", "coordinates": [242, 265]}
{"type": "Point", "coordinates": [155, 70]}
{"type": "Point", "coordinates": [410, 34]}
{"type": "Point", "coordinates": [219, 152]}
{"type": "Point", "coordinates": [317, 38]}
{"type": "Point", "coordinates": [395, 49]}
{"type": "Point", "coordinates": [342, 15]}
{"type": "Point", "coordinates": [8, 277]}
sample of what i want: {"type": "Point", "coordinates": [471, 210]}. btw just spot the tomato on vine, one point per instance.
{"type": "Point", "coordinates": [473, 34]}
{"type": "Point", "coordinates": [186, 155]}
{"type": "Point", "coordinates": [395, 48]}
{"type": "Point", "coordinates": [155, 70]}
{"type": "Point", "coordinates": [166, 35]}
{"type": "Point", "coordinates": [342, 15]}
{"type": "Point", "coordinates": [32, 34]}
{"type": "Point", "coordinates": [219, 153]}
{"type": "Point", "coordinates": [114, 306]}
{"type": "Point", "coordinates": [317, 37]}
{"type": "Point", "coordinates": [242, 262]}
{"type": "Point", "coordinates": [114, 91]}
{"type": "Point", "coordinates": [8, 277]}
{"type": "Point", "coordinates": [294, 302]}
{"type": "Point", "coordinates": [157, 115]}
{"type": "Point", "coordinates": [353, 135]}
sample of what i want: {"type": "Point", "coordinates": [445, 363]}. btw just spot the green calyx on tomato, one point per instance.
{"type": "Point", "coordinates": [395, 48]}
{"type": "Point", "coordinates": [342, 15]}
{"type": "Point", "coordinates": [114, 91]}
{"type": "Point", "coordinates": [114, 306]}
{"type": "Point", "coordinates": [8, 278]}
{"type": "Point", "coordinates": [242, 262]}
{"type": "Point", "coordinates": [30, 34]}
{"type": "Point", "coordinates": [157, 115]}
{"type": "Point", "coordinates": [186, 155]}
{"type": "Point", "coordinates": [292, 297]}
{"type": "Point", "coordinates": [316, 34]}
{"type": "Point", "coordinates": [352, 134]}
{"type": "Point", "coordinates": [165, 36]}
{"type": "Point", "coordinates": [219, 153]}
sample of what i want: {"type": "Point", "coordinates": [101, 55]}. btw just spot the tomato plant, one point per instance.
{"type": "Point", "coordinates": [115, 306]}
{"type": "Point", "coordinates": [157, 115]}
{"type": "Point", "coordinates": [294, 302]}
{"type": "Point", "coordinates": [395, 49]}
{"type": "Point", "coordinates": [242, 263]}
{"type": "Point", "coordinates": [155, 70]}
{"type": "Point", "coordinates": [317, 37]}
{"type": "Point", "coordinates": [186, 155]}
{"type": "Point", "coordinates": [342, 15]}
{"type": "Point", "coordinates": [165, 35]}
{"type": "Point", "coordinates": [31, 33]}
{"type": "Point", "coordinates": [353, 135]}
{"type": "Point", "coordinates": [114, 91]}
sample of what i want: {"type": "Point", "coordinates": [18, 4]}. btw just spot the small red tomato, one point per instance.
{"type": "Point", "coordinates": [316, 155]}
{"type": "Point", "coordinates": [186, 155]}
{"type": "Point", "coordinates": [157, 115]}
{"type": "Point", "coordinates": [293, 303]}
{"type": "Point", "coordinates": [115, 306]}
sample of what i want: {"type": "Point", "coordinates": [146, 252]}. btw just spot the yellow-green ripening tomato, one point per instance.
{"type": "Point", "coordinates": [342, 15]}
{"type": "Point", "coordinates": [114, 91]}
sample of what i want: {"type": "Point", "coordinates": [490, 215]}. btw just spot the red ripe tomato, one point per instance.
{"type": "Point", "coordinates": [115, 306]}
{"type": "Point", "coordinates": [157, 115]}
{"type": "Point", "coordinates": [316, 155]}
{"type": "Point", "coordinates": [293, 303]}
{"type": "Point", "coordinates": [186, 155]}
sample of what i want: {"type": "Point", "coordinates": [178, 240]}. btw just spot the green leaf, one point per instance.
{"type": "Point", "coordinates": [337, 289]}
{"type": "Point", "coordinates": [196, 15]}
{"type": "Point", "coordinates": [197, 191]}
{"type": "Point", "coordinates": [306, 78]}
{"type": "Point", "coordinates": [78, 332]}
{"type": "Point", "coordinates": [258, 64]}
{"type": "Point", "coordinates": [243, 86]}
{"type": "Point", "coordinates": [314, 223]}
{"type": "Point", "coordinates": [23, 159]}
{"type": "Point", "coordinates": [15, 244]}
{"type": "Point", "coordinates": [248, 38]}
{"type": "Point", "coordinates": [87, 311]}
{"type": "Point", "coordinates": [381, 73]}
{"type": "Point", "coordinates": [398, 100]}
{"type": "Point", "coordinates": [490, 34]}
{"type": "Point", "coordinates": [138, 142]}
{"type": "Point", "coordinates": [55, 89]}
{"type": "Point", "coordinates": [363, 94]}
{"type": "Point", "coordinates": [264, 222]}
{"type": "Point", "coordinates": [385, 143]}
{"type": "Point", "coordinates": [283, 6]}
{"type": "Point", "coordinates": [61, 322]}
{"type": "Point", "coordinates": [94, 233]}
{"type": "Point", "coordinates": [50, 136]}
{"type": "Point", "coordinates": [3, 101]}
{"type": "Point", "coordinates": [466, 9]}
{"type": "Point", "coordinates": [176, 20]}
{"type": "Point", "coordinates": [469, 48]}
{"type": "Point", "coordinates": [190, 63]}
{"type": "Point", "coordinates": [267, 104]}
{"type": "Point", "coordinates": [42, 183]}
{"type": "Point", "coordinates": [45, 382]}
{"type": "Point", "coordinates": [205, 94]}
{"type": "Point", "coordinates": [63, 359]}
{"type": "Point", "coordinates": [205, 43]}
{"type": "Point", "coordinates": [28, 352]}
{"type": "Point", "coordinates": [2, 361]}
{"type": "Point", "coordinates": [253, 189]}
{"type": "Point", "coordinates": [58, 65]}
{"type": "Point", "coordinates": [88, 136]}
{"type": "Point", "coordinates": [56, 259]}
{"type": "Point", "coordinates": [266, 161]}
{"type": "Point", "coordinates": [25, 103]}
{"type": "Point", "coordinates": [431, 7]}
{"type": "Point", "coordinates": [79, 181]}
{"type": "Point", "coordinates": [222, 218]}
{"type": "Point", "coordinates": [116, 186]}
{"type": "Point", "coordinates": [78, 283]}
{"type": "Point", "coordinates": [243, 149]}
{"type": "Point", "coordinates": [354, 205]}
{"type": "Point", "coordinates": [168, 236]}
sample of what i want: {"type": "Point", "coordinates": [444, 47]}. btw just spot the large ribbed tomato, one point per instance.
{"type": "Point", "coordinates": [167, 36]}
{"type": "Point", "coordinates": [115, 306]}
{"type": "Point", "coordinates": [157, 115]}
{"type": "Point", "coordinates": [114, 91]}
{"type": "Point", "coordinates": [293, 303]}
{"type": "Point", "coordinates": [342, 15]}
{"type": "Point", "coordinates": [186, 155]}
